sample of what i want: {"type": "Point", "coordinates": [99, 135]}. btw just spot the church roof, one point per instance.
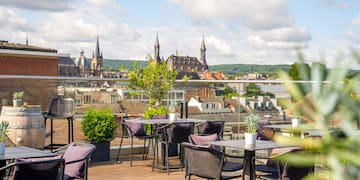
{"type": "Point", "coordinates": [184, 60]}
{"type": "Point", "coordinates": [17, 46]}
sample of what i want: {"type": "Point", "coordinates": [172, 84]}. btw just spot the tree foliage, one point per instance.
{"type": "Point", "coordinates": [154, 79]}
{"type": "Point", "coordinates": [252, 90]}
{"type": "Point", "coordinates": [229, 92]}
{"type": "Point", "coordinates": [331, 108]}
{"type": "Point", "coordinates": [294, 71]}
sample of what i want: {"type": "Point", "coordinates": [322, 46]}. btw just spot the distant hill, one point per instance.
{"type": "Point", "coordinates": [231, 69]}
{"type": "Point", "coordinates": [235, 69]}
{"type": "Point", "coordinates": [116, 64]}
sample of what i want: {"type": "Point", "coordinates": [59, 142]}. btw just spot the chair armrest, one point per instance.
{"type": "Point", "coordinates": [61, 150]}
{"type": "Point", "coordinates": [7, 166]}
{"type": "Point", "coordinates": [157, 130]}
{"type": "Point", "coordinates": [75, 161]}
{"type": "Point", "coordinates": [233, 156]}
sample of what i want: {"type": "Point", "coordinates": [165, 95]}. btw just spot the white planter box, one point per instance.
{"type": "Point", "coordinates": [172, 117]}
{"type": "Point", "coordinates": [17, 102]}
{"type": "Point", "coordinates": [250, 138]}
{"type": "Point", "coordinates": [295, 122]}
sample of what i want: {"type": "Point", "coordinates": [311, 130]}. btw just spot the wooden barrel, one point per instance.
{"type": "Point", "coordinates": [26, 125]}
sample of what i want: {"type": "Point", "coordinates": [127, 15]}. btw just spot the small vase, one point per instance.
{"type": "Point", "coordinates": [250, 138]}
{"type": "Point", "coordinates": [17, 102]}
{"type": "Point", "coordinates": [295, 122]}
{"type": "Point", "coordinates": [2, 147]}
{"type": "Point", "coordinates": [172, 117]}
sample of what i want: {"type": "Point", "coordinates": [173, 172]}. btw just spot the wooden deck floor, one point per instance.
{"type": "Point", "coordinates": [139, 171]}
{"type": "Point", "coordinates": [110, 170]}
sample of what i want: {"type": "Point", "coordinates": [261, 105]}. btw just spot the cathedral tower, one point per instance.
{"type": "Point", "coordinates": [202, 54]}
{"type": "Point", "coordinates": [157, 50]}
{"type": "Point", "coordinates": [97, 60]}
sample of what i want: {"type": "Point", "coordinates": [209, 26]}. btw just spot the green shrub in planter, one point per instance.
{"type": "Point", "coordinates": [99, 125]}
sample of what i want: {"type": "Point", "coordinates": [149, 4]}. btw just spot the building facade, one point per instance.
{"type": "Point", "coordinates": [27, 60]}
{"type": "Point", "coordinates": [83, 65]}
{"type": "Point", "coordinates": [185, 65]}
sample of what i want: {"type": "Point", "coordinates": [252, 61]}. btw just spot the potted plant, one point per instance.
{"type": "Point", "coordinates": [4, 126]}
{"type": "Point", "coordinates": [172, 112]}
{"type": "Point", "coordinates": [296, 119]}
{"type": "Point", "coordinates": [99, 126]}
{"type": "Point", "coordinates": [251, 122]}
{"type": "Point", "coordinates": [18, 98]}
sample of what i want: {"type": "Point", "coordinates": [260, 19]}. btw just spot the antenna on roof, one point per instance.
{"type": "Point", "coordinates": [27, 41]}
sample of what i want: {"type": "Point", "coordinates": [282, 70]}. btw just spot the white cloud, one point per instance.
{"type": "Point", "coordinates": [293, 34]}
{"type": "Point", "coordinates": [267, 26]}
{"type": "Point", "coordinates": [264, 15]}
{"type": "Point", "coordinates": [356, 21]}
{"type": "Point", "coordinates": [281, 38]}
{"type": "Point", "coordinates": [10, 20]}
{"type": "Point", "coordinates": [258, 42]}
{"type": "Point", "coordinates": [107, 4]}
{"type": "Point", "coordinates": [335, 4]}
{"type": "Point", "coordinates": [226, 40]}
{"type": "Point", "coordinates": [42, 5]}
{"type": "Point", "coordinates": [219, 45]}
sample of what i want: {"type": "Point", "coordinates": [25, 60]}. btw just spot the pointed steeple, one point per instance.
{"type": "Point", "coordinates": [202, 54]}
{"type": "Point", "coordinates": [203, 44]}
{"type": "Point", "coordinates": [27, 40]}
{"type": "Point", "coordinates": [97, 48]}
{"type": "Point", "coordinates": [157, 49]}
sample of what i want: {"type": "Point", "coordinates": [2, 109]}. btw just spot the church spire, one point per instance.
{"type": "Point", "coordinates": [97, 48]}
{"type": "Point", "coordinates": [27, 40]}
{"type": "Point", "coordinates": [157, 49]}
{"type": "Point", "coordinates": [202, 53]}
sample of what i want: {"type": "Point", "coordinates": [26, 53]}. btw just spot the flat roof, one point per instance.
{"type": "Point", "coordinates": [33, 53]}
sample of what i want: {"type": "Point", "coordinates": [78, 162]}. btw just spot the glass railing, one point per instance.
{"type": "Point", "coordinates": [201, 99]}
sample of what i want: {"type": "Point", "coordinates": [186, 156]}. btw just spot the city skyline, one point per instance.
{"type": "Point", "coordinates": [236, 31]}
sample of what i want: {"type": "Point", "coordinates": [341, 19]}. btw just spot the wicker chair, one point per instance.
{"type": "Point", "coordinates": [37, 168]}
{"type": "Point", "coordinates": [204, 162]}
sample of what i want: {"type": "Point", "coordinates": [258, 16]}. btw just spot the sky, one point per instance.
{"type": "Point", "coordinates": [235, 31]}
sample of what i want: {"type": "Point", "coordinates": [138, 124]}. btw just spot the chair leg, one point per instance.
{"type": "Point", "coordinates": [51, 134]}
{"type": "Point", "coordinates": [69, 130]}
{"type": "Point", "coordinates": [131, 150]}
{"type": "Point", "coordinates": [72, 129]}
{"type": "Point", "coordinates": [144, 149]}
{"type": "Point", "coordinates": [167, 158]}
{"type": "Point", "coordinates": [147, 149]}
{"type": "Point", "coordinates": [117, 157]}
{"type": "Point", "coordinates": [155, 153]}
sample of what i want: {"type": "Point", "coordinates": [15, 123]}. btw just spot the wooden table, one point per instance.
{"type": "Point", "coordinates": [249, 151]}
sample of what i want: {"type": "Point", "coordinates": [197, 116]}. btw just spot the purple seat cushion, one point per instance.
{"type": "Point", "coordinates": [201, 140]}
{"type": "Point", "coordinates": [135, 129]}
{"type": "Point", "coordinates": [262, 132]}
{"type": "Point", "coordinates": [164, 116]}
{"type": "Point", "coordinates": [75, 152]}
{"type": "Point", "coordinates": [38, 159]}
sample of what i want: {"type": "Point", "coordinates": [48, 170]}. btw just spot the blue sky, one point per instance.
{"type": "Point", "coordinates": [235, 31]}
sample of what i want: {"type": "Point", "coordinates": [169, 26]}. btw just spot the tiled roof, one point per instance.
{"type": "Point", "coordinates": [17, 46]}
